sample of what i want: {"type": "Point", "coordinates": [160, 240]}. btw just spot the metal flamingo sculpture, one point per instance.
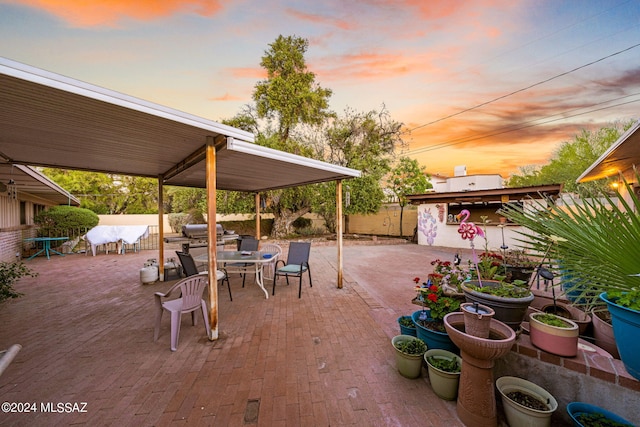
{"type": "Point", "coordinates": [469, 231]}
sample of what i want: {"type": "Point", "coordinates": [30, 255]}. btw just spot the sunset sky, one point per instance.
{"type": "Point", "coordinates": [490, 84]}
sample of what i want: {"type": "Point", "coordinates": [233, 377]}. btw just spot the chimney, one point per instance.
{"type": "Point", "coordinates": [460, 170]}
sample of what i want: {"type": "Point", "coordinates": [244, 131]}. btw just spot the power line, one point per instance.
{"type": "Point", "coordinates": [525, 88]}
{"type": "Point", "coordinates": [510, 129]}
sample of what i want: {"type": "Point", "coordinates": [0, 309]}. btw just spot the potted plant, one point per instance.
{"type": "Point", "coordinates": [525, 403]}
{"type": "Point", "coordinates": [587, 415]}
{"type": "Point", "coordinates": [598, 241]}
{"type": "Point", "coordinates": [517, 265]}
{"type": "Point", "coordinates": [429, 324]}
{"type": "Point", "coordinates": [444, 370]}
{"type": "Point", "coordinates": [554, 334]}
{"type": "Point", "coordinates": [409, 353]}
{"type": "Point", "coordinates": [407, 327]}
{"type": "Point", "coordinates": [487, 286]}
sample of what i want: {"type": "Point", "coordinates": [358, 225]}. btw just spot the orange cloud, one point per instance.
{"type": "Point", "coordinates": [319, 19]}
{"type": "Point", "coordinates": [226, 97]}
{"type": "Point", "coordinates": [109, 12]}
{"type": "Point", "coordinates": [248, 73]}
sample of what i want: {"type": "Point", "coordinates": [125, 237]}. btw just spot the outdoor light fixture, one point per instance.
{"type": "Point", "coordinates": [12, 190]}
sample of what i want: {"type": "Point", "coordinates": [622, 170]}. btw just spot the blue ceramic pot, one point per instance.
{"type": "Point", "coordinates": [433, 339]}
{"type": "Point", "coordinates": [626, 330]}
{"type": "Point", "coordinates": [575, 409]}
{"type": "Point", "coordinates": [404, 330]}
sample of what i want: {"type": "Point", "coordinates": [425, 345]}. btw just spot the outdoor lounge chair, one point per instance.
{"type": "Point", "coordinates": [297, 264]}
{"type": "Point", "coordinates": [191, 289]}
{"type": "Point", "coordinates": [190, 269]}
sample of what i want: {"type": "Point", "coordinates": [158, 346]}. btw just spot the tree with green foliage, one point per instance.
{"type": "Point", "coordinates": [407, 177]}
{"type": "Point", "coordinates": [290, 94]}
{"type": "Point", "coordinates": [571, 159]}
{"type": "Point", "coordinates": [291, 114]}
{"type": "Point", "coordinates": [106, 193]}
{"type": "Point", "coordinates": [362, 141]}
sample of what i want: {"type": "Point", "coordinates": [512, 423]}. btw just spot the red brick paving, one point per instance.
{"type": "Point", "coordinates": [86, 327]}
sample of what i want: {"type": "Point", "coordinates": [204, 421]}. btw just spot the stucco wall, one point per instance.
{"type": "Point", "coordinates": [386, 222]}
{"type": "Point", "coordinates": [433, 230]}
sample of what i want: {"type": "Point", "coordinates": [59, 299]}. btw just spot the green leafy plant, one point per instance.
{"type": "Point", "coordinates": [412, 346]}
{"type": "Point", "coordinates": [551, 320]}
{"type": "Point", "coordinates": [506, 290]}
{"type": "Point", "coordinates": [596, 240]}
{"type": "Point", "coordinates": [598, 420]}
{"type": "Point", "coordinates": [10, 273]}
{"type": "Point", "coordinates": [446, 364]}
{"type": "Point", "coordinates": [407, 322]}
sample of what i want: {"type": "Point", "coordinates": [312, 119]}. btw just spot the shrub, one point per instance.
{"type": "Point", "coordinates": [65, 221]}
{"type": "Point", "coordinates": [10, 272]}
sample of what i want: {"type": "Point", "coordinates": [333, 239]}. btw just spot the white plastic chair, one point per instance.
{"type": "Point", "coordinates": [190, 301]}
{"type": "Point", "coordinates": [268, 269]}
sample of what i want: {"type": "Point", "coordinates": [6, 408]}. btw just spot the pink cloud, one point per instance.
{"type": "Point", "coordinates": [319, 19]}
{"type": "Point", "coordinates": [109, 12]}
{"type": "Point", "coordinates": [226, 97]}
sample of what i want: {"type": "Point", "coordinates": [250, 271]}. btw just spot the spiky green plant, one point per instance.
{"type": "Point", "coordinates": [596, 242]}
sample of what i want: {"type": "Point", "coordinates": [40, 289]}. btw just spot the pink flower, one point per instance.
{"type": "Point", "coordinates": [467, 231]}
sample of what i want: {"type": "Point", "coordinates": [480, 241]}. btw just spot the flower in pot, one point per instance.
{"type": "Point", "coordinates": [409, 353]}
{"type": "Point", "coordinates": [444, 370]}
{"type": "Point", "coordinates": [598, 240]}
{"type": "Point", "coordinates": [429, 323]}
{"type": "Point", "coordinates": [554, 334]}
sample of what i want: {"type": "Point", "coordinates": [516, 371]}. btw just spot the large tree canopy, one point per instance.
{"type": "Point", "coordinates": [108, 194]}
{"type": "Point", "coordinates": [571, 159]}
{"type": "Point", "coordinates": [291, 114]}
{"type": "Point", "coordinates": [290, 94]}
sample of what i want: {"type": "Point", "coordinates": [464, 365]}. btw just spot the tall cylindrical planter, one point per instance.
{"type": "Point", "coordinates": [477, 319]}
{"type": "Point", "coordinates": [433, 339]}
{"type": "Point", "coordinates": [521, 415]}
{"type": "Point", "coordinates": [444, 384]}
{"type": "Point", "coordinates": [409, 365]}
{"type": "Point", "coordinates": [626, 329]}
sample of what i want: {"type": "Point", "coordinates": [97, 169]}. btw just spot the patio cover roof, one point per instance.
{"type": "Point", "coordinates": [51, 120]}
{"type": "Point", "coordinates": [36, 185]}
{"type": "Point", "coordinates": [619, 158]}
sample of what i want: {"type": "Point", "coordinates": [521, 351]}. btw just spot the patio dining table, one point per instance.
{"type": "Point", "coordinates": [257, 258]}
{"type": "Point", "coordinates": [46, 245]}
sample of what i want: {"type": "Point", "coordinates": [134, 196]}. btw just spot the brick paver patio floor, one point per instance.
{"type": "Point", "coordinates": [86, 327]}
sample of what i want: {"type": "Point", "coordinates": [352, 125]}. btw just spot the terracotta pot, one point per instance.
{"type": "Point", "coordinates": [477, 319]}
{"type": "Point", "coordinates": [603, 334]}
{"type": "Point", "coordinates": [562, 341]}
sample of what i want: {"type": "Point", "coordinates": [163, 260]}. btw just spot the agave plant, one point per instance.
{"type": "Point", "coordinates": [596, 242]}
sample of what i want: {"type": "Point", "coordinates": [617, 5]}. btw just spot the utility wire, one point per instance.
{"type": "Point", "coordinates": [463, 140]}
{"type": "Point", "coordinates": [525, 88]}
